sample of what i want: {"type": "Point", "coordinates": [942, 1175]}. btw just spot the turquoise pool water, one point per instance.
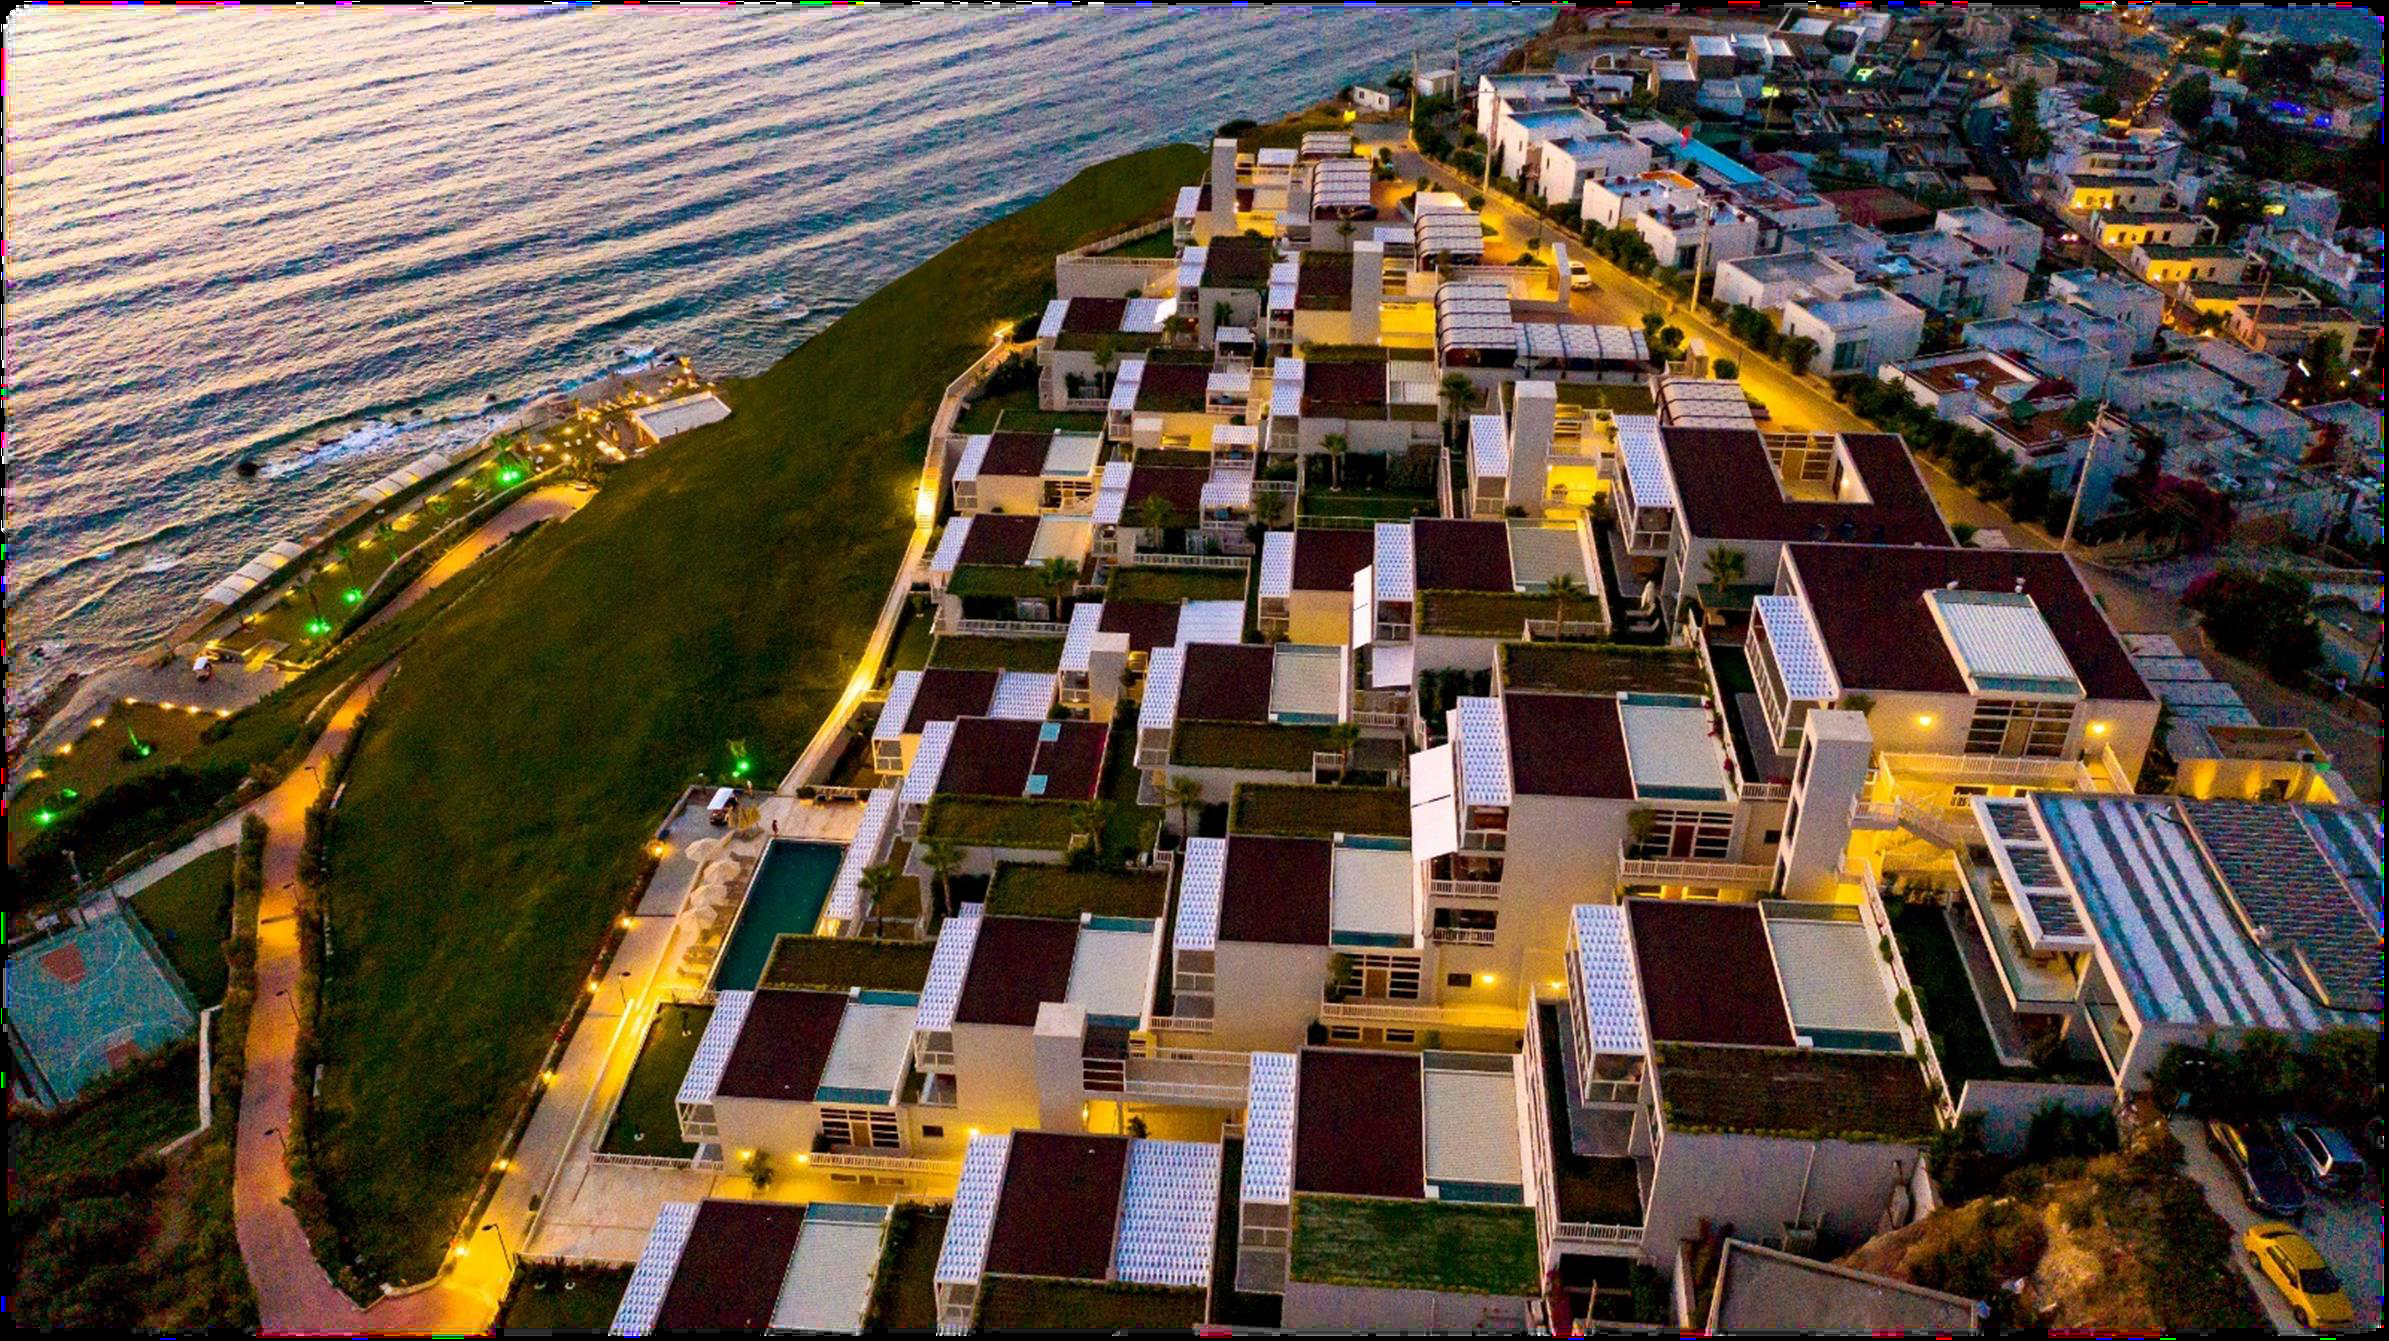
{"type": "Point", "coordinates": [790, 885]}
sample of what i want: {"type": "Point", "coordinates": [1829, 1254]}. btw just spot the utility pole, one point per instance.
{"type": "Point", "coordinates": [2090, 455]}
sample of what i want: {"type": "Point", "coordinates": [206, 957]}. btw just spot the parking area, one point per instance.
{"type": "Point", "coordinates": [2344, 1227]}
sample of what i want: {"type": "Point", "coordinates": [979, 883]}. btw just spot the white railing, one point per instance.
{"type": "Point", "coordinates": [1761, 792]}
{"type": "Point", "coordinates": [1988, 768]}
{"type": "Point", "coordinates": [1122, 239]}
{"type": "Point", "coordinates": [904, 1164]}
{"type": "Point", "coordinates": [1392, 721]}
{"type": "Point", "coordinates": [1588, 1235]}
{"type": "Point", "coordinates": [1463, 889]}
{"type": "Point", "coordinates": [1460, 936]}
{"type": "Point", "coordinates": [1010, 628]}
{"type": "Point", "coordinates": [1181, 1024]}
{"type": "Point", "coordinates": [680, 1165]}
{"type": "Point", "coordinates": [1610, 1091]}
{"type": "Point", "coordinates": [1144, 560]}
{"type": "Point", "coordinates": [1694, 871]}
{"type": "Point", "coordinates": [1381, 1011]}
{"type": "Point", "coordinates": [1566, 628]}
{"type": "Point", "coordinates": [1913, 1031]}
{"type": "Point", "coordinates": [1874, 815]}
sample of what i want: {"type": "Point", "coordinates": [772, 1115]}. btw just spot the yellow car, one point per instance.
{"type": "Point", "coordinates": [2297, 1270]}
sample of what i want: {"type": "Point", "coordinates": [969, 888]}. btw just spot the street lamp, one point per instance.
{"type": "Point", "coordinates": [503, 1254]}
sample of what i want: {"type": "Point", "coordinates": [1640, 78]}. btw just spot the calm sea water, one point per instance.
{"type": "Point", "coordinates": [245, 232]}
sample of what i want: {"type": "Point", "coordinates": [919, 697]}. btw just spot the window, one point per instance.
{"type": "Point", "coordinates": [1401, 1036]}
{"type": "Point", "coordinates": [1696, 835]}
{"type": "Point", "coordinates": [2015, 728]}
{"type": "Point", "coordinates": [872, 1128]}
{"type": "Point", "coordinates": [1773, 837]}
{"type": "Point", "coordinates": [1458, 979]}
{"type": "Point", "coordinates": [933, 1133]}
{"type": "Point", "coordinates": [1385, 977]}
{"type": "Point", "coordinates": [1848, 355]}
{"type": "Point", "coordinates": [1467, 919]}
{"type": "Point", "coordinates": [1343, 1033]}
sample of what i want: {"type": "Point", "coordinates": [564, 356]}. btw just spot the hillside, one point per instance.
{"type": "Point", "coordinates": [716, 592]}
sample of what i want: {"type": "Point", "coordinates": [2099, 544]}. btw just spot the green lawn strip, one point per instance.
{"type": "Point", "coordinates": [904, 1298]}
{"type": "Point", "coordinates": [1601, 668]}
{"type": "Point", "coordinates": [1265, 746]}
{"type": "Point", "coordinates": [1131, 829]}
{"type": "Point", "coordinates": [717, 590]}
{"type": "Point", "coordinates": [1029, 419]}
{"type": "Point", "coordinates": [981, 415]}
{"type": "Point", "coordinates": [1158, 243]}
{"type": "Point", "coordinates": [1496, 614]}
{"type": "Point", "coordinates": [974, 653]}
{"type": "Point", "coordinates": [96, 758]}
{"type": "Point", "coordinates": [1176, 584]}
{"type": "Point", "coordinates": [647, 1122]}
{"type": "Point", "coordinates": [1001, 821]}
{"type": "Point", "coordinates": [190, 913]}
{"type": "Point", "coordinates": [564, 1299]}
{"type": "Point", "coordinates": [1023, 890]}
{"type": "Point", "coordinates": [1038, 1303]}
{"type": "Point", "coordinates": [835, 963]}
{"type": "Point", "coordinates": [997, 579]}
{"type": "Point", "coordinates": [1622, 399]}
{"type": "Point", "coordinates": [1272, 808]}
{"type": "Point", "coordinates": [1951, 1013]}
{"type": "Point", "coordinates": [1391, 507]}
{"type": "Point", "coordinates": [1452, 1246]}
{"type": "Point", "coordinates": [916, 631]}
{"type": "Point", "coordinates": [112, 1123]}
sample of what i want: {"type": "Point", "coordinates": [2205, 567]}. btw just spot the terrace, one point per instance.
{"type": "Point", "coordinates": [1036, 1303]}
{"type": "Point", "coordinates": [1264, 747]}
{"type": "Point", "coordinates": [1002, 822]}
{"type": "Point", "coordinates": [1793, 1093]}
{"type": "Point", "coordinates": [1319, 812]}
{"type": "Point", "coordinates": [1026, 890]}
{"type": "Point", "coordinates": [998, 654]}
{"type": "Point", "coordinates": [1495, 614]}
{"type": "Point", "coordinates": [834, 963]}
{"type": "Point", "coordinates": [1164, 585]}
{"type": "Point", "coordinates": [1451, 1247]}
{"type": "Point", "coordinates": [1600, 668]}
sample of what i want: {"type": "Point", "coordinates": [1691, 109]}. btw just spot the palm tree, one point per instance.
{"type": "Point", "coordinates": [1341, 738]}
{"type": "Point", "coordinates": [1157, 513]}
{"type": "Point", "coordinates": [1456, 392]}
{"type": "Point", "coordinates": [1335, 445]}
{"type": "Point", "coordinates": [1060, 575]}
{"type": "Point", "coordinates": [1563, 588]}
{"type": "Point", "coordinates": [1105, 353]}
{"type": "Point", "coordinates": [1269, 508]}
{"type": "Point", "coordinates": [1184, 793]}
{"type": "Point", "coordinates": [878, 882]}
{"type": "Point", "coordinates": [1221, 315]}
{"type": "Point", "coordinates": [1725, 566]}
{"type": "Point", "coordinates": [943, 859]}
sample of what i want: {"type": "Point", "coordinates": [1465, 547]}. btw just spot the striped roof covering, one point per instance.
{"type": "Point", "coordinates": [1269, 1128]}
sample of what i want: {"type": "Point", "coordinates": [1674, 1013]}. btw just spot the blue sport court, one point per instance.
{"type": "Point", "coordinates": [87, 1001]}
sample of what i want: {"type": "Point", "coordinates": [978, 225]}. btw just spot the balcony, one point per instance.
{"type": "Point", "coordinates": [1461, 936]}
{"type": "Point", "coordinates": [1694, 871]}
{"type": "Point", "coordinates": [1463, 889]}
{"type": "Point", "coordinates": [905, 1165]}
{"type": "Point", "coordinates": [1383, 1012]}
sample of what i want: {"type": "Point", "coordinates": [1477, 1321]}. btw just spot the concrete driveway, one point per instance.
{"type": "Point", "coordinates": [2345, 1229]}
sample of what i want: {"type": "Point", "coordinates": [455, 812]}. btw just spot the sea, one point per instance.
{"type": "Point", "coordinates": [327, 240]}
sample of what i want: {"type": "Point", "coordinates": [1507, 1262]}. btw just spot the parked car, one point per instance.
{"type": "Point", "coordinates": [2265, 1177]}
{"type": "Point", "coordinates": [2324, 1155]}
{"type": "Point", "coordinates": [1579, 275]}
{"type": "Point", "coordinates": [2285, 1258]}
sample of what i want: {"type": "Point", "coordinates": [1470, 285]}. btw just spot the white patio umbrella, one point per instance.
{"type": "Point", "coordinates": [704, 850]}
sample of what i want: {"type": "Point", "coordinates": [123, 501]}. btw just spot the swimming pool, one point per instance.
{"type": "Point", "coordinates": [790, 885]}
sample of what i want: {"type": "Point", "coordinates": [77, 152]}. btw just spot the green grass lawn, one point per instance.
{"type": "Point", "coordinates": [1322, 812]}
{"type": "Point", "coordinates": [719, 591]}
{"type": "Point", "coordinates": [1022, 890]}
{"type": "Point", "coordinates": [112, 1123]}
{"type": "Point", "coordinates": [1453, 1246]}
{"type": "Point", "coordinates": [96, 758]}
{"type": "Point", "coordinates": [1376, 506]}
{"type": "Point", "coordinates": [1020, 654]}
{"type": "Point", "coordinates": [190, 914]}
{"type": "Point", "coordinates": [564, 1299]}
{"type": "Point", "coordinates": [1176, 584]}
{"type": "Point", "coordinates": [1150, 245]}
{"type": "Point", "coordinates": [648, 1120]}
{"type": "Point", "coordinates": [904, 1298]}
{"type": "Point", "coordinates": [916, 630]}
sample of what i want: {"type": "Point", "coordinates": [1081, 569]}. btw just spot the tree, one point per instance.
{"type": "Point", "coordinates": [1060, 576]}
{"type": "Point", "coordinates": [1183, 792]}
{"type": "Point", "coordinates": [1725, 566]}
{"type": "Point", "coordinates": [2025, 135]}
{"type": "Point", "coordinates": [1725, 368]}
{"type": "Point", "coordinates": [2103, 104]}
{"type": "Point", "coordinates": [1797, 352]}
{"type": "Point", "coordinates": [1157, 514]}
{"type": "Point", "coordinates": [1335, 445]}
{"type": "Point", "coordinates": [1340, 738]}
{"type": "Point", "coordinates": [943, 859]}
{"type": "Point", "coordinates": [1222, 314]}
{"type": "Point", "coordinates": [1106, 351]}
{"type": "Point", "coordinates": [1563, 588]}
{"type": "Point", "coordinates": [878, 882]}
{"type": "Point", "coordinates": [2324, 368]}
{"type": "Point", "coordinates": [2268, 618]}
{"type": "Point", "coordinates": [2191, 100]}
{"type": "Point", "coordinates": [1269, 507]}
{"type": "Point", "coordinates": [2234, 203]}
{"type": "Point", "coordinates": [1456, 392]}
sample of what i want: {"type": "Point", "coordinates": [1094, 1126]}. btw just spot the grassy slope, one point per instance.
{"type": "Point", "coordinates": [719, 590]}
{"type": "Point", "coordinates": [190, 914]}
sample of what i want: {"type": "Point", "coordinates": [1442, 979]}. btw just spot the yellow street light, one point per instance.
{"type": "Point", "coordinates": [1924, 719]}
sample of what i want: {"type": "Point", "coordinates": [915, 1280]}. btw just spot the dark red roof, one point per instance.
{"type": "Point", "coordinates": [1236, 262]}
{"type": "Point", "coordinates": [1343, 384]}
{"type": "Point", "coordinates": [1728, 491]}
{"type": "Point", "coordinates": [1360, 1124]}
{"type": "Point", "coordinates": [1070, 759]}
{"type": "Point", "coordinates": [1707, 975]}
{"type": "Point", "coordinates": [1016, 454]}
{"type": "Point", "coordinates": [1276, 891]}
{"type": "Point", "coordinates": [1017, 965]}
{"type": "Point", "coordinates": [1461, 555]}
{"type": "Point", "coordinates": [783, 1045]}
{"type": "Point", "coordinates": [1323, 282]}
{"type": "Point", "coordinates": [947, 694]}
{"type": "Point", "coordinates": [1567, 745]}
{"type": "Point", "coordinates": [1060, 1206]}
{"type": "Point", "coordinates": [999, 539]}
{"type": "Point", "coordinates": [1173, 387]}
{"type": "Point", "coordinates": [1183, 488]}
{"type": "Point", "coordinates": [1325, 560]}
{"type": "Point", "coordinates": [1226, 682]}
{"type": "Point", "coordinates": [1870, 612]}
{"type": "Point", "coordinates": [989, 757]}
{"type": "Point", "coordinates": [729, 1274]}
{"type": "Point", "coordinates": [1093, 316]}
{"type": "Point", "coordinates": [1148, 624]}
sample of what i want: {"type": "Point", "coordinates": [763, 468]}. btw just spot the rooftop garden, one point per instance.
{"type": "Point", "coordinates": [647, 1122]}
{"type": "Point", "coordinates": [904, 1298]}
{"type": "Point", "coordinates": [1300, 811]}
{"type": "Point", "coordinates": [1453, 1247]}
{"type": "Point", "coordinates": [837, 963]}
{"type": "Point", "coordinates": [1795, 1093]}
{"type": "Point", "coordinates": [1001, 821]}
{"type": "Point", "coordinates": [1019, 654]}
{"type": "Point", "coordinates": [1324, 505]}
{"type": "Point", "coordinates": [1119, 342]}
{"type": "Point", "coordinates": [1630, 399]}
{"type": "Point", "coordinates": [1175, 584]}
{"type": "Point", "coordinates": [997, 579]}
{"type": "Point", "coordinates": [1036, 1303]}
{"type": "Point", "coordinates": [1499, 614]}
{"type": "Point", "coordinates": [1264, 746]}
{"type": "Point", "coordinates": [1026, 890]}
{"type": "Point", "coordinates": [1601, 668]}
{"type": "Point", "coordinates": [1154, 244]}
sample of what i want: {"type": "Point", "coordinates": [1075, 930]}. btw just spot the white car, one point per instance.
{"type": "Point", "coordinates": [1579, 277]}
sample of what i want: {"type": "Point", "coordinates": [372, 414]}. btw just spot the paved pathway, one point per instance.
{"type": "Point", "coordinates": [543, 504]}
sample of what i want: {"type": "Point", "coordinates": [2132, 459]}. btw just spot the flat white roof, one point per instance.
{"type": "Point", "coordinates": [1210, 622]}
{"type": "Point", "coordinates": [833, 1271]}
{"type": "Point", "coordinates": [1073, 455]}
{"type": "Point", "coordinates": [682, 414]}
{"type": "Point", "coordinates": [1392, 665]}
{"type": "Point", "coordinates": [1832, 977]}
{"type": "Point", "coordinates": [1472, 1125]}
{"type": "Point", "coordinates": [2002, 644]}
{"type": "Point", "coordinates": [873, 1045]}
{"type": "Point", "coordinates": [1061, 538]}
{"type": "Point", "coordinates": [1670, 752]}
{"type": "Point", "coordinates": [1112, 970]}
{"type": "Point", "coordinates": [1370, 896]}
{"type": "Point", "coordinates": [1306, 683]}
